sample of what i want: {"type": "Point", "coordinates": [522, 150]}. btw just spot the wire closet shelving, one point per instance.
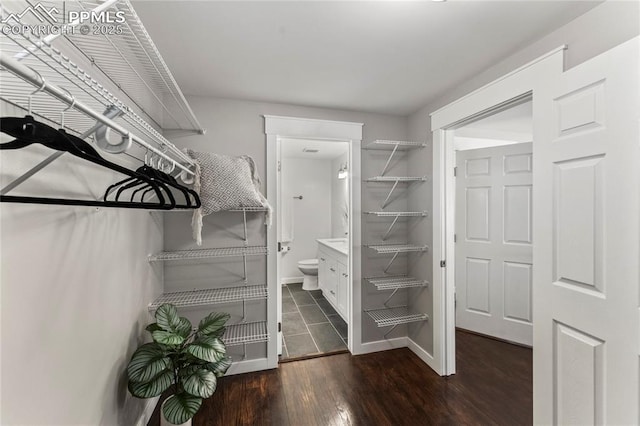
{"type": "Point", "coordinates": [393, 316]}
{"type": "Point", "coordinates": [69, 78]}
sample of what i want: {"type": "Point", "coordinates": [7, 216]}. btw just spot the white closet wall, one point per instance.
{"type": "Point", "coordinates": [75, 287]}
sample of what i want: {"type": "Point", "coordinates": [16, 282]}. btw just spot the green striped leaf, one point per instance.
{"type": "Point", "coordinates": [220, 367]}
{"type": "Point", "coordinates": [183, 328]}
{"type": "Point", "coordinates": [213, 324]}
{"type": "Point", "coordinates": [181, 407]}
{"type": "Point", "coordinates": [207, 348]}
{"type": "Point", "coordinates": [147, 362]}
{"type": "Point", "coordinates": [153, 387]}
{"type": "Point", "coordinates": [167, 337]}
{"type": "Point", "coordinates": [200, 383]}
{"type": "Point", "coordinates": [167, 317]}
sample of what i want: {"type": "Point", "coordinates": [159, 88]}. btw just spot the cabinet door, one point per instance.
{"type": "Point", "coordinates": [331, 284]}
{"type": "Point", "coordinates": [323, 270]}
{"type": "Point", "coordinates": [343, 293]}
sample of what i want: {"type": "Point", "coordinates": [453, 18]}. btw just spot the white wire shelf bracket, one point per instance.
{"type": "Point", "coordinates": [209, 253]}
{"type": "Point", "coordinates": [394, 316]}
{"type": "Point", "coordinates": [391, 144]}
{"type": "Point", "coordinates": [396, 180]}
{"type": "Point", "coordinates": [396, 216]}
{"type": "Point", "coordinates": [208, 297]}
{"type": "Point", "coordinates": [245, 210]}
{"type": "Point", "coordinates": [396, 282]}
{"type": "Point", "coordinates": [245, 333]}
{"type": "Point", "coordinates": [396, 146]}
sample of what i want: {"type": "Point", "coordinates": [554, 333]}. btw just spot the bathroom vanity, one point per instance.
{"type": "Point", "coordinates": [333, 273]}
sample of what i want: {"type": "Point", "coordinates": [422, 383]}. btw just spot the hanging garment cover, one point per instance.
{"type": "Point", "coordinates": [225, 183]}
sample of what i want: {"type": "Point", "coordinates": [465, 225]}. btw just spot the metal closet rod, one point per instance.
{"type": "Point", "coordinates": [31, 76]}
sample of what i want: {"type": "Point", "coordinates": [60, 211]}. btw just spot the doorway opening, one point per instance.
{"type": "Point", "coordinates": [493, 245]}
{"type": "Point", "coordinates": [314, 246]}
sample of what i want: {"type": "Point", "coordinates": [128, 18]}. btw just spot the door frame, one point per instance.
{"type": "Point", "coordinates": [280, 127]}
{"type": "Point", "coordinates": [522, 84]}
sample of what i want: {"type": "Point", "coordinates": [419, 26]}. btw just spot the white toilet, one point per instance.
{"type": "Point", "coordinates": [309, 267]}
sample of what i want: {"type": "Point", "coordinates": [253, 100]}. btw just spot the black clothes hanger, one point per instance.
{"type": "Point", "coordinates": [159, 177]}
{"type": "Point", "coordinates": [27, 131]}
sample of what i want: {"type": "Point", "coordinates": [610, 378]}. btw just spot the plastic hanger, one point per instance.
{"type": "Point", "coordinates": [28, 131]}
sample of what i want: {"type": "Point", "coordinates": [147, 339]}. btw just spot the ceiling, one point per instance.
{"type": "Point", "coordinates": [388, 57]}
{"type": "Point", "coordinates": [327, 150]}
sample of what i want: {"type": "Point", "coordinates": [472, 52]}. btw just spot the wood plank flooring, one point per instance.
{"type": "Point", "coordinates": [493, 386]}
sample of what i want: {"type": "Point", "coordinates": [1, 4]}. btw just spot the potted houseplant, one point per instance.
{"type": "Point", "coordinates": [188, 359]}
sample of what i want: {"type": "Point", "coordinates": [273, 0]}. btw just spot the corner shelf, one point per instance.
{"type": "Point", "coordinates": [211, 296]}
{"type": "Point", "coordinates": [394, 316]}
{"type": "Point", "coordinates": [396, 248]}
{"type": "Point", "coordinates": [396, 216]}
{"type": "Point", "coordinates": [209, 253]}
{"type": "Point", "coordinates": [384, 144]}
{"type": "Point", "coordinates": [245, 333]}
{"type": "Point", "coordinates": [396, 282]}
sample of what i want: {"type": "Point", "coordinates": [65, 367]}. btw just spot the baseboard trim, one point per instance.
{"type": "Point", "coordinates": [147, 412]}
{"type": "Point", "coordinates": [382, 345]}
{"type": "Point", "coordinates": [248, 366]}
{"type": "Point", "coordinates": [425, 356]}
{"type": "Point", "coordinates": [291, 280]}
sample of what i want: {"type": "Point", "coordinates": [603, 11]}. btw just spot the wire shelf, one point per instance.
{"type": "Point", "coordinates": [387, 317]}
{"type": "Point", "coordinates": [250, 209]}
{"type": "Point", "coordinates": [397, 248]}
{"type": "Point", "coordinates": [397, 179]}
{"type": "Point", "coordinates": [251, 332]}
{"type": "Point", "coordinates": [396, 282]}
{"type": "Point", "coordinates": [128, 62]}
{"type": "Point", "coordinates": [211, 296]}
{"type": "Point", "coordinates": [209, 253]}
{"type": "Point", "coordinates": [390, 144]}
{"type": "Point", "coordinates": [399, 214]}
{"type": "Point", "coordinates": [128, 59]}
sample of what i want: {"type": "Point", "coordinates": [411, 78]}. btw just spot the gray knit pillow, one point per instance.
{"type": "Point", "coordinates": [224, 183]}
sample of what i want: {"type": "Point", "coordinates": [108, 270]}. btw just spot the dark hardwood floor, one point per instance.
{"type": "Point", "coordinates": [493, 386]}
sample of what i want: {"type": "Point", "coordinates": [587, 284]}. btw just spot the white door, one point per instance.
{"type": "Point", "coordinates": [587, 238]}
{"type": "Point", "coordinates": [493, 241]}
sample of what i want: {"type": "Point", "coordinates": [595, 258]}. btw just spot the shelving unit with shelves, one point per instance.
{"type": "Point", "coordinates": [393, 316]}
{"type": "Point", "coordinates": [245, 331]}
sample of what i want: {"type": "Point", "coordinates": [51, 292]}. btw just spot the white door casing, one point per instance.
{"type": "Point", "coordinates": [586, 200]}
{"type": "Point", "coordinates": [277, 127]}
{"type": "Point", "coordinates": [494, 242]}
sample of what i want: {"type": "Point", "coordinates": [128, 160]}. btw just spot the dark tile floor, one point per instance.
{"type": "Point", "coordinates": [310, 325]}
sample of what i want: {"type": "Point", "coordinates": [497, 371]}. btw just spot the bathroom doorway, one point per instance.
{"type": "Point", "coordinates": [313, 246]}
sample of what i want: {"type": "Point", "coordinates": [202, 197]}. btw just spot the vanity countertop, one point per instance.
{"type": "Point", "coordinates": [338, 244]}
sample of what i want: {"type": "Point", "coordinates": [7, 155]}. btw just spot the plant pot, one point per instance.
{"type": "Point", "coordinates": [165, 422]}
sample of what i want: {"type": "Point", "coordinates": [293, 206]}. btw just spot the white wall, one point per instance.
{"type": "Point", "coordinates": [75, 289]}
{"type": "Point", "coordinates": [595, 32]}
{"type": "Point", "coordinates": [311, 215]}
{"type": "Point", "coordinates": [339, 199]}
